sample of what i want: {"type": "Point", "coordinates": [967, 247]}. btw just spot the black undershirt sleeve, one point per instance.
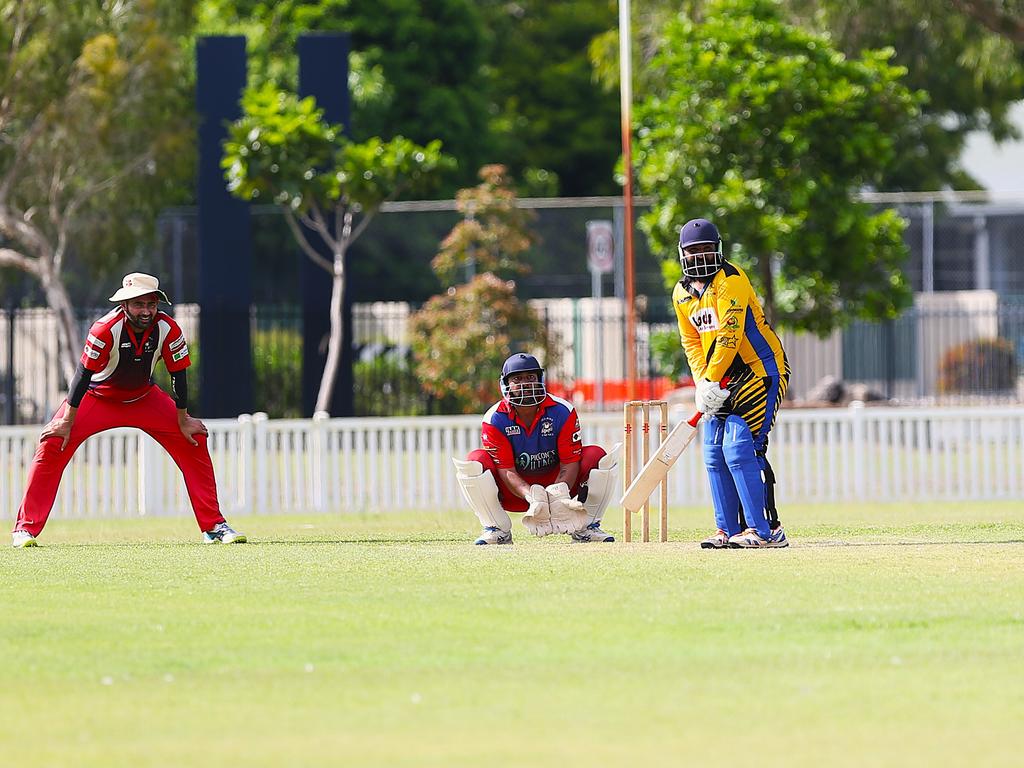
{"type": "Point", "coordinates": [79, 385]}
{"type": "Point", "coordinates": [179, 388]}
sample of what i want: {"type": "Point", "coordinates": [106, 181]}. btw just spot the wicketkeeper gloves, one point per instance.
{"type": "Point", "coordinates": [553, 510]}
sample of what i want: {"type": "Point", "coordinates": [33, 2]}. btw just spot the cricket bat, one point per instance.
{"type": "Point", "coordinates": [661, 462]}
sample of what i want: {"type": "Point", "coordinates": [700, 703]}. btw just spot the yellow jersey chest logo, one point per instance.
{"type": "Point", "coordinates": [705, 320]}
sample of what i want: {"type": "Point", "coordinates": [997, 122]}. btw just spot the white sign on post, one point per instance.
{"type": "Point", "coordinates": [600, 246]}
{"type": "Point", "coordinates": [601, 260]}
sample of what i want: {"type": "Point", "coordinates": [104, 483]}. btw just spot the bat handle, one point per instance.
{"type": "Point", "coordinates": [694, 420]}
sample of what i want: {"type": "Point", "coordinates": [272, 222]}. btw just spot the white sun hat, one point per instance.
{"type": "Point", "coordinates": [139, 284]}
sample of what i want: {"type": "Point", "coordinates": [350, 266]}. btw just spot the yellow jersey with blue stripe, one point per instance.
{"type": "Point", "coordinates": [724, 331]}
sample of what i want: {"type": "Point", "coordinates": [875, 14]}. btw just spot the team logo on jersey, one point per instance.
{"type": "Point", "coordinates": [176, 343]}
{"type": "Point", "coordinates": [547, 427]}
{"type": "Point", "coordinates": [126, 345]}
{"type": "Point", "coordinates": [180, 354]}
{"type": "Point", "coordinates": [704, 320]}
{"type": "Point", "coordinates": [91, 353]}
{"type": "Point", "coordinates": [513, 430]}
{"type": "Point", "coordinates": [96, 342]}
{"type": "Point", "coordinates": [536, 462]}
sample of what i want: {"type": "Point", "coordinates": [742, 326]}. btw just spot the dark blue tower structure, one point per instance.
{"type": "Point", "coordinates": [225, 242]}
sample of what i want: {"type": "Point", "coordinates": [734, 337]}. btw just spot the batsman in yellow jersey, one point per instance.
{"type": "Point", "coordinates": [725, 336]}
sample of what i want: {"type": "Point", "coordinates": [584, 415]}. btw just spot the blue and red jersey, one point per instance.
{"type": "Point", "coordinates": [554, 438]}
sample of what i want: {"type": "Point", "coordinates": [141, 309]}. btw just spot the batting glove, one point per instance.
{"type": "Point", "coordinates": [710, 397]}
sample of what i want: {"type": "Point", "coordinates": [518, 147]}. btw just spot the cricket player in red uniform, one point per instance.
{"type": "Point", "coordinates": [113, 387]}
{"type": "Point", "coordinates": [533, 461]}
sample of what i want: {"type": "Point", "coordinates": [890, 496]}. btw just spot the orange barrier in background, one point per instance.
{"type": "Point", "coordinates": [585, 390]}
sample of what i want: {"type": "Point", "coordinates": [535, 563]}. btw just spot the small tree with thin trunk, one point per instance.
{"type": "Point", "coordinates": [282, 151]}
{"type": "Point", "coordinates": [461, 337]}
{"type": "Point", "coordinates": [493, 234]}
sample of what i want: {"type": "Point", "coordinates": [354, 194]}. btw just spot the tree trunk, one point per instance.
{"type": "Point", "coordinates": [67, 328]}
{"type": "Point", "coordinates": [43, 265]}
{"type": "Point", "coordinates": [329, 379]}
{"type": "Point", "coordinates": [764, 264]}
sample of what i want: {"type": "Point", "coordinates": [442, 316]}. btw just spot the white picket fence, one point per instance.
{"type": "Point", "coordinates": [384, 464]}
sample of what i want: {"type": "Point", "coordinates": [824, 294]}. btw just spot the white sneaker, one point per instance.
{"type": "Point", "coordinates": [223, 533]}
{"type": "Point", "coordinates": [718, 540]}
{"type": "Point", "coordinates": [22, 539]}
{"type": "Point", "coordinates": [592, 533]}
{"type": "Point", "coordinates": [751, 539]}
{"type": "Point", "coordinates": [494, 535]}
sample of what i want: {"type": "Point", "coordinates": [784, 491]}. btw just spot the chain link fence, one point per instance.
{"type": "Point", "coordinates": [963, 339]}
{"type": "Point", "coordinates": [949, 348]}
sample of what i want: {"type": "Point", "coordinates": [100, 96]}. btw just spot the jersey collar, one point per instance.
{"type": "Point", "coordinates": [506, 408]}
{"type": "Point", "coordinates": [138, 346]}
{"type": "Point", "coordinates": [692, 290]}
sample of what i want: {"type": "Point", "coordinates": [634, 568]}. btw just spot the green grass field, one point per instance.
{"type": "Point", "coordinates": [885, 636]}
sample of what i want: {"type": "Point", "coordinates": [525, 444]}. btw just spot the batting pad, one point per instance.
{"type": "Point", "coordinates": [481, 493]}
{"type": "Point", "coordinates": [602, 484]}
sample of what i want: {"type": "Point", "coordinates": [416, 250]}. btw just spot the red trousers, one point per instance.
{"type": "Point", "coordinates": [157, 416]}
{"type": "Point", "coordinates": [592, 454]}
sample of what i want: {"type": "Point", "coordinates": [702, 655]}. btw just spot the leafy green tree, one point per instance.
{"type": "Point", "coordinates": [549, 113]}
{"type": "Point", "coordinates": [647, 23]}
{"type": "Point", "coordinates": [768, 130]}
{"type": "Point", "coordinates": [461, 337]}
{"type": "Point", "coordinates": [1004, 17]}
{"type": "Point", "coordinates": [94, 136]}
{"type": "Point", "coordinates": [971, 76]}
{"type": "Point", "coordinates": [417, 66]}
{"type": "Point", "coordinates": [282, 151]}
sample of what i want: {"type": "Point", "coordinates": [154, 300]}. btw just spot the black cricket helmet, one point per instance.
{"type": "Point", "coordinates": [525, 393]}
{"type": "Point", "coordinates": [700, 265]}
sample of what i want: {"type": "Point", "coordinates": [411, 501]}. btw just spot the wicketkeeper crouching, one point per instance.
{"type": "Point", "coordinates": [533, 461]}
